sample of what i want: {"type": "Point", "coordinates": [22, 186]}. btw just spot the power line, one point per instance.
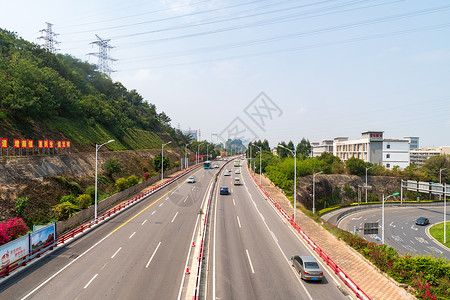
{"type": "Point", "coordinates": [49, 38]}
{"type": "Point", "coordinates": [103, 57]}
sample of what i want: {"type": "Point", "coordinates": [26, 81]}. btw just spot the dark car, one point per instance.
{"type": "Point", "coordinates": [308, 267]}
{"type": "Point", "coordinates": [224, 190]}
{"type": "Point", "coordinates": [422, 221]}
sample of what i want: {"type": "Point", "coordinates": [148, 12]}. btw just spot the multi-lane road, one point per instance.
{"type": "Point", "coordinates": [401, 232]}
{"type": "Point", "coordinates": [143, 252]}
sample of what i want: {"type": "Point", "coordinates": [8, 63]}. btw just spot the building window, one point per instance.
{"type": "Point", "coordinates": [388, 165]}
{"type": "Point", "coordinates": [388, 146]}
{"type": "Point", "coordinates": [388, 156]}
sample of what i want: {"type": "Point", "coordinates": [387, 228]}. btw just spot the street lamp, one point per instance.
{"type": "Point", "coordinates": [186, 161]}
{"type": "Point", "coordinates": [295, 177]}
{"type": "Point", "coordinates": [440, 179]}
{"type": "Point", "coordinates": [382, 215]}
{"type": "Point", "coordinates": [366, 181]}
{"type": "Point", "coordinates": [260, 158]}
{"type": "Point", "coordinates": [96, 156]}
{"type": "Point", "coordinates": [162, 162]}
{"type": "Point", "coordinates": [314, 191]}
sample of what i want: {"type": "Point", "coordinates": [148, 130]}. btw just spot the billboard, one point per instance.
{"type": "Point", "coordinates": [411, 185]}
{"type": "Point", "coordinates": [43, 236]}
{"type": "Point", "coordinates": [14, 250]}
{"type": "Point", "coordinates": [437, 189]}
{"type": "Point", "coordinates": [423, 187]}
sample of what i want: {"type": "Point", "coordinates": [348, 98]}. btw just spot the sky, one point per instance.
{"type": "Point", "coordinates": [267, 69]}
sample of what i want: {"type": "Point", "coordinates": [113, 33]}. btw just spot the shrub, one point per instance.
{"type": "Point", "coordinates": [69, 198]}
{"type": "Point", "coordinates": [12, 229]}
{"type": "Point", "coordinates": [84, 201]}
{"type": "Point", "coordinates": [146, 175]}
{"type": "Point", "coordinates": [64, 210]}
{"type": "Point", "coordinates": [113, 166]}
{"type": "Point", "coordinates": [132, 180]}
{"type": "Point", "coordinates": [90, 190]}
{"type": "Point", "coordinates": [21, 204]}
{"type": "Point", "coordinates": [121, 184]}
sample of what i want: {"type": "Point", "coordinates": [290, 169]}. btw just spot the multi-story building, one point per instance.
{"type": "Point", "coordinates": [413, 142]}
{"type": "Point", "coordinates": [420, 156]}
{"type": "Point", "coordinates": [318, 149]}
{"type": "Point", "coordinates": [373, 148]}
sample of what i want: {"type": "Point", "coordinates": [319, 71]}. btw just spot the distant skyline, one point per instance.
{"type": "Point", "coordinates": [325, 68]}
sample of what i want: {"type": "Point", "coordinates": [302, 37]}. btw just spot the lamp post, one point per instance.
{"type": "Point", "coordinates": [382, 215]}
{"type": "Point", "coordinates": [440, 178]}
{"type": "Point", "coordinates": [314, 191]}
{"type": "Point", "coordinates": [260, 158]}
{"type": "Point", "coordinates": [162, 162]}
{"type": "Point", "coordinates": [366, 181]}
{"type": "Point", "coordinates": [295, 177]}
{"type": "Point", "coordinates": [97, 147]}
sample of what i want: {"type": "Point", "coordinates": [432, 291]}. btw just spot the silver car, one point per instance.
{"type": "Point", "coordinates": [191, 180]}
{"type": "Point", "coordinates": [308, 267]}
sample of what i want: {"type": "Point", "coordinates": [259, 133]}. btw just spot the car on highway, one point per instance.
{"type": "Point", "coordinates": [308, 267]}
{"type": "Point", "coordinates": [224, 190]}
{"type": "Point", "coordinates": [216, 166]}
{"type": "Point", "coordinates": [237, 181]}
{"type": "Point", "coordinates": [190, 180]}
{"type": "Point", "coordinates": [422, 221]}
{"type": "Point", "coordinates": [237, 171]}
{"type": "Point", "coordinates": [226, 173]}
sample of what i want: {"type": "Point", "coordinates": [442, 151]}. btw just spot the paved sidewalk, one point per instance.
{"type": "Point", "coordinates": [368, 278]}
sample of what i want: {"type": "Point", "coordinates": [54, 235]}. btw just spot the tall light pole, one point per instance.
{"type": "Point", "coordinates": [314, 191]}
{"type": "Point", "coordinates": [96, 156]}
{"type": "Point", "coordinates": [366, 181]}
{"type": "Point", "coordinates": [382, 215]}
{"type": "Point", "coordinates": [295, 177]}
{"type": "Point", "coordinates": [162, 162]}
{"type": "Point", "coordinates": [445, 212]}
{"type": "Point", "coordinates": [260, 158]}
{"type": "Point", "coordinates": [207, 152]}
{"type": "Point", "coordinates": [440, 179]}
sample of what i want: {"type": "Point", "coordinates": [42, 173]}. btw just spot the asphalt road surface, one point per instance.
{"type": "Point", "coordinates": [251, 248]}
{"type": "Point", "coordinates": [401, 232]}
{"type": "Point", "coordinates": [139, 254]}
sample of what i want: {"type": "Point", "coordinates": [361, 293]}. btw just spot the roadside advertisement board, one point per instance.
{"type": "Point", "coordinates": [43, 236]}
{"type": "Point", "coordinates": [14, 250]}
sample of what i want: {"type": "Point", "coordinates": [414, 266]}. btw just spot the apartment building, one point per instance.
{"type": "Point", "coordinates": [420, 156]}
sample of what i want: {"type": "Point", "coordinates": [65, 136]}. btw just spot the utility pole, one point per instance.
{"type": "Point", "coordinates": [49, 38]}
{"type": "Point", "coordinates": [103, 57]}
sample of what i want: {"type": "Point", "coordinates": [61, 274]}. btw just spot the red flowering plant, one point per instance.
{"type": "Point", "coordinates": [12, 229]}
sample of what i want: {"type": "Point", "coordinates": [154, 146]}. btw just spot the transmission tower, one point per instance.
{"type": "Point", "coordinates": [49, 38]}
{"type": "Point", "coordinates": [102, 55]}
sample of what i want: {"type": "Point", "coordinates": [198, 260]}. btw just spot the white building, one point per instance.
{"type": "Point", "coordinates": [420, 156]}
{"type": "Point", "coordinates": [318, 149]}
{"type": "Point", "coordinates": [413, 142]}
{"type": "Point", "coordinates": [373, 148]}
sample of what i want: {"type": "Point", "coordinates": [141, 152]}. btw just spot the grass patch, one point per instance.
{"type": "Point", "coordinates": [437, 231]}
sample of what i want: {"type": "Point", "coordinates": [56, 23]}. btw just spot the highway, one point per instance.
{"type": "Point", "coordinates": [139, 254]}
{"type": "Point", "coordinates": [251, 248]}
{"type": "Point", "coordinates": [401, 232]}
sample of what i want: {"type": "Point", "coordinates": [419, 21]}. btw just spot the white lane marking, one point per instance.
{"type": "Point", "coordinates": [186, 198]}
{"type": "Point", "coordinates": [411, 242]}
{"type": "Point", "coordinates": [239, 222]}
{"type": "Point", "coordinates": [154, 252]}
{"type": "Point", "coordinates": [412, 227]}
{"type": "Point", "coordinates": [193, 187]}
{"type": "Point", "coordinates": [65, 267]}
{"type": "Point", "coordinates": [234, 203]}
{"type": "Point", "coordinates": [250, 261]}
{"type": "Point", "coordinates": [174, 217]}
{"type": "Point", "coordinates": [167, 198]}
{"type": "Point", "coordinates": [90, 281]}
{"type": "Point", "coordinates": [153, 212]}
{"type": "Point", "coordinates": [144, 222]}
{"type": "Point", "coordinates": [392, 224]}
{"type": "Point", "coordinates": [120, 248]}
{"type": "Point", "coordinates": [132, 235]}
{"type": "Point", "coordinates": [357, 218]}
{"type": "Point", "coordinates": [161, 204]}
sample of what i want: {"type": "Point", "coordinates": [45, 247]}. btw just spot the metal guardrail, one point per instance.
{"type": "Point", "coordinates": [6, 270]}
{"type": "Point", "coordinates": [198, 278]}
{"type": "Point", "coordinates": [337, 270]}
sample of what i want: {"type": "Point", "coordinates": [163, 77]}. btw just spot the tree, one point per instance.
{"type": "Point", "coordinates": [282, 152]}
{"type": "Point", "coordinates": [157, 162]}
{"type": "Point", "coordinates": [356, 166]}
{"type": "Point", "coordinates": [113, 166]}
{"type": "Point", "coordinates": [21, 204]}
{"type": "Point", "coordinates": [303, 149]}
{"type": "Point", "coordinates": [434, 164]}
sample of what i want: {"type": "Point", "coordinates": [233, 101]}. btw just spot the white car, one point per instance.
{"type": "Point", "coordinates": [237, 171]}
{"type": "Point", "coordinates": [191, 180]}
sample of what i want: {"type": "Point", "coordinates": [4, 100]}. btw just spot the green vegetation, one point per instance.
{"type": "Point", "coordinates": [58, 95]}
{"type": "Point", "coordinates": [157, 162]}
{"type": "Point", "coordinates": [437, 231]}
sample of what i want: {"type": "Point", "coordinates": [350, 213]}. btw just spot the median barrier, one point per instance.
{"type": "Point", "coordinates": [334, 267]}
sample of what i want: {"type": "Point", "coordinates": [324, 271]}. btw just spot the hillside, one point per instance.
{"type": "Point", "coordinates": [59, 97]}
